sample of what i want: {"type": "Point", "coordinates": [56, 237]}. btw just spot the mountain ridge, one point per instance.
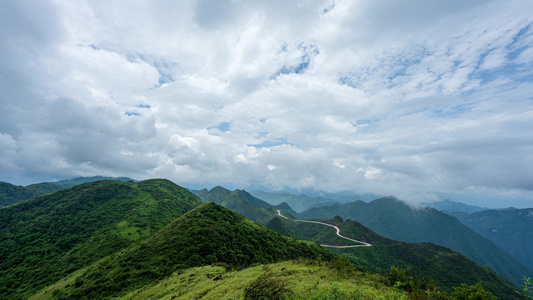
{"type": "Point", "coordinates": [11, 194]}
{"type": "Point", "coordinates": [511, 229]}
{"type": "Point", "coordinates": [394, 219]}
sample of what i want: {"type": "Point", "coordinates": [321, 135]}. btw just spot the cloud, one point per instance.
{"type": "Point", "coordinates": [410, 98]}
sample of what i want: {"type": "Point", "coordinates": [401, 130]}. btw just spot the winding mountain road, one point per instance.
{"type": "Point", "coordinates": [364, 244]}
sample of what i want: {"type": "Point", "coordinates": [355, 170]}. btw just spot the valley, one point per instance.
{"type": "Point", "coordinates": [361, 243]}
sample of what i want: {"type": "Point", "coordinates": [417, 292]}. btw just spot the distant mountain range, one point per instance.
{"type": "Point", "coordinates": [451, 207]}
{"type": "Point", "coordinates": [297, 202]}
{"type": "Point", "coordinates": [396, 220]}
{"type": "Point", "coordinates": [509, 228]}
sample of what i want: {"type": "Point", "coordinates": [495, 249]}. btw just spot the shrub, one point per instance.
{"type": "Point", "coordinates": [527, 289]}
{"type": "Point", "coordinates": [266, 286]}
{"type": "Point", "coordinates": [472, 292]}
{"type": "Point", "coordinates": [417, 289]}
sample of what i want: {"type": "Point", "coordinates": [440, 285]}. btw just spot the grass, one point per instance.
{"type": "Point", "coordinates": [48, 292]}
{"type": "Point", "coordinates": [302, 279]}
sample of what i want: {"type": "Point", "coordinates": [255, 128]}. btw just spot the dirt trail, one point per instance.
{"type": "Point", "coordinates": [364, 244]}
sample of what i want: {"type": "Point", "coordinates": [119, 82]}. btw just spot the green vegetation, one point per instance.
{"type": "Point", "coordinates": [394, 219]}
{"type": "Point", "coordinates": [156, 240]}
{"type": "Point", "coordinates": [46, 238]}
{"type": "Point", "coordinates": [206, 235]}
{"type": "Point", "coordinates": [511, 229]}
{"type": "Point", "coordinates": [472, 292]}
{"type": "Point", "coordinates": [239, 201]}
{"type": "Point", "coordinates": [11, 194]}
{"type": "Point", "coordinates": [293, 279]}
{"type": "Point", "coordinates": [266, 286]}
{"type": "Point", "coordinates": [527, 289]}
{"type": "Point", "coordinates": [424, 261]}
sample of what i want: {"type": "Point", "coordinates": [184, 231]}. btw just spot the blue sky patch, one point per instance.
{"type": "Point", "coordinates": [223, 127]}
{"type": "Point", "coordinates": [309, 51]}
{"type": "Point", "coordinates": [274, 143]}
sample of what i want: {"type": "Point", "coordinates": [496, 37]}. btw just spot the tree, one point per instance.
{"type": "Point", "coordinates": [527, 288]}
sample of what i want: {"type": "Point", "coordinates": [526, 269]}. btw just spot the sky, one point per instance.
{"type": "Point", "coordinates": [423, 100]}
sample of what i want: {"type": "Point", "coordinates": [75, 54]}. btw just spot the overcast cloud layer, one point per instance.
{"type": "Point", "coordinates": [418, 99]}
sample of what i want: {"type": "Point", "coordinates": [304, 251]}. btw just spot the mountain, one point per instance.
{"type": "Point", "coordinates": [451, 207]}
{"type": "Point", "coordinates": [396, 220]}
{"type": "Point", "coordinates": [285, 208]}
{"type": "Point", "coordinates": [154, 239]}
{"type": "Point", "coordinates": [239, 201]}
{"type": "Point", "coordinates": [425, 260]}
{"type": "Point", "coordinates": [298, 203]}
{"type": "Point", "coordinates": [46, 238]}
{"type": "Point", "coordinates": [205, 235]}
{"type": "Point", "coordinates": [11, 194]}
{"type": "Point", "coordinates": [511, 229]}
{"type": "Point", "coordinates": [66, 183]}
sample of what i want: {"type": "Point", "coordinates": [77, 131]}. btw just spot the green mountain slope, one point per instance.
{"type": "Point", "coordinates": [511, 229]}
{"type": "Point", "coordinates": [11, 194]}
{"type": "Point", "coordinates": [447, 268]}
{"type": "Point", "coordinates": [285, 207]}
{"type": "Point", "coordinates": [394, 219]}
{"type": "Point", "coordinates": [205, 235]}
{"type": "Point", "coordinates": [239, 201]}
{"type": "Point", "coordinates": [46, 238]}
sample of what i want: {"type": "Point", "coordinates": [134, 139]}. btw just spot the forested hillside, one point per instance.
{"type": "Point", "coordinates": [46, 238]}
{"type": "Point", "coordinates": [11, 194]}
{"type": "Point", "coordinates": [206, 235]}
{"type": "Point", "coordinates": [239, 201]}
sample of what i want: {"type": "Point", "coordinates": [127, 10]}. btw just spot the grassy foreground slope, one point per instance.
{"type": "Point", "coordinates": [206, 235]}
{"type": "Point", "coordinates": [301, 279]}
{"type": "Point", "coordinates": [46, 238]}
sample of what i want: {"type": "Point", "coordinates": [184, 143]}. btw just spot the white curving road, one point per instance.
{"type": "Point", "coordinates": [363, 244]}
